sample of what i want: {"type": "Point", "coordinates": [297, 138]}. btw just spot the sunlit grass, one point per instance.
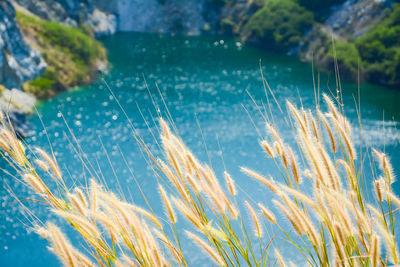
{"type": "Point", "coordinates": [334, 222]}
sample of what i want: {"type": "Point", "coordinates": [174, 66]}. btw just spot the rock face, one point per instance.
{"type": "Point", "coordinates": [108, 16]}
{"type": "Point", "coordinates": [16, 104]}
{"type": "Point", "coordinates": [355, 17]}
{"type": "Point", "coordinates": [176, 16]}
{"type": "Point", "coordinates": [102, 23]}
{"type": "Point", "coordinates": [347, 21]}
{"type": "Point", "coordinates": [18, 61]}
{"type": "Point", "coordinates": [75, 12]}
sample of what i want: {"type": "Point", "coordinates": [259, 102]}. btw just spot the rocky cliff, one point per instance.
{"type": "Point", "coordinates": [105, 17]}
{"type": "Point", "coordinates": [18, 61]}
{"type": "Point", "coordinates": [94, 13]}
{"type": "Point", "coordinates": [346, 26]}
{"type": "Point", "coordinates": [176, 16]}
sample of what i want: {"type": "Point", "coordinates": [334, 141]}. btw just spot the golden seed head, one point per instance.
{"type": "Point", "coordinates": [267, 213]}
{"type": "Point", "coordinates": [268, 148]}
{"type": "Point", "coordinates": [230, 183]}
{"type": "Point", "coordinates": [210, 251]}
{"type": "Point", "coordinates": [270, 184]}
{"type": "Point", "coordinates": [256, 221]}
{"type": "Point", "coordinates": [35, 183]}
{"type": "Point", "coordinates": [42, 165]}
{"type": "Point", "coordinates": [167, 205]}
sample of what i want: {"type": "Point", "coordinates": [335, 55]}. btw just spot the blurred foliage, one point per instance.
{"type": "Point", "coordinates": [379, 49]}
{"type": "Point", "coordinates": [72, 56]}
{"type": "Point", "coordinates": [320, 8]}
{"type": "Point", "coordinates": [280, 24]}
{"type": "Point", "coordinates": [347, 57]}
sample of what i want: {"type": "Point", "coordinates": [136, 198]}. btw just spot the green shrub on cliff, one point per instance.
{"type": "Point", "coordinates": [320, 8]}
{"type": "Point", "coordinates": [379, 49]}
{"type": "Point", "coordinates": [72, 56]}
{"type": "Point", "coordinates": [280, 24]}
{"type": "Point", "coordinates": [347, 57]}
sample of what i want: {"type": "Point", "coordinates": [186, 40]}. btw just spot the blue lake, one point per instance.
{"type": "Point", "coordinates": [206, 82]}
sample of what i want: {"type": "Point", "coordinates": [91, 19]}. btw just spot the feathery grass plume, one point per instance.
{"type": "Point", "coordinates": [175, 252]}
{"type": "Point", "coordinates": [305, 119]}
{"type": "Point", "coordinates": [215, 232]}
{"type": "Point", "coordinates": [62, 248]}
{"type": "Point", "coordinates": [328, 129]}
{"type": "Point", "coordinates": [35, 183]}
{"type": "Point", "coordinates": [285, 158]}
{"type": "Point", "coordinates": [336, 115]}
{"type": "Point", "coordinates": [315, 128]}
{"type": "Point", "coordinates": [294, 165]}
{"type": "Point", "coordinates": [274, 133]}
{"type": "Point", "coordinates": [304, 220]}
{"type": "Point", "coordinates": [297, 194]}
{"type": "Point", "coordinates": [126, 261]}
{"type": "Point", "coordinates": [374, 251]}
{"type": "Point", "coordinates": [393, 198]}
{"type": "Point", "coordinates": [278, 148]}
{"type": "Point", "coordinates": [108, 224]}
{"type": "Point", "coordinates": [390, 241]}
{"type": "Point", "coordinates": [194, 184]}
{"type": "Point", "coordinates": [297, 116]}
{"type": "Point", "coordinates": [148, 215]}
{"type": "Point", "coordinates": [82, 222]}
{"type": "Point", "coordinates": [350, 171]}
{"type": "Point", "coordinates": [230, 183]}
{"type": "Point", "coordinates": [260, 178]}
{"type": "Point", "coordinates": [76, 202]}
{"type": "Point", "coordinates": [51, 161]}
{"type": "Point", "coordinates": [347, 141]}
{"type": "Point", "coordinates": [378, 190]}
{"type": "Point", "coordinates": [210, 251]}
{"type": "Point", "coordinates": [188, 212]}
{"type": "Point", "coordinates": [330, 168]}
{"type": "Point", "coordinates": [216, 196]}
{"type": "Point", "coordinates": [314, 160]}
{"type": "Point", "coordinates": [385, 165]}
{"type": "Point", "coordinates": [167, 205]}
{"type": "Point", "coordinates": [267, 213]}
{"type": "Point", "coordinates": [4, 145]}
{"type": "Point", "coordinates": [81, 196]}
{"type": "Point", "coordinates": [42, 165]}
{"type": "Point", "coordinates": [165, 129]}
{"type": "Point", "coordinates": [331, 106]}
{"type": "Point", "coordinates": [293, 220]}
{"type": "Point", "coordinates": [268, 148]}
{"type": "Point", "coordinates": [13, 146]}
{"type": "Point", "coordinates": [279, 258]}
{"type": "Point", "coordinates": [256, 221]}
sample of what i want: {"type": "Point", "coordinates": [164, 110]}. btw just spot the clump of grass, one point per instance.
{"type": "Point", "coordinates": [334, 221]}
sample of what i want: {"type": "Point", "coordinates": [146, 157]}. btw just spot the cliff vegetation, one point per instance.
{"type": "Point", "coordinates": [72, 55]}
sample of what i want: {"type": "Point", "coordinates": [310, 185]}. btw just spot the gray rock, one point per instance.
{"type": "Point", "coordinates": [18, 61]}
{"type": "Point", "coordinates": [355, 17]}
{"type": "Point", "coordinates": [176, 16]}
{"type": "Point", "coordinates": [75, 12]}
{"type": "Point", "coordinates": [102, 24]}
{"type": "Point", "coordinates": [108, 16]}
{"type": "Point", "coordinates": [16, 105]}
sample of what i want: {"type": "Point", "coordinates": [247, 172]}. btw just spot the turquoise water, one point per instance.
{"type": "Point", "coordinates": [204, 81]}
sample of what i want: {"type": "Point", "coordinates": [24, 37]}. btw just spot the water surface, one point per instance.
{"type": "Point", "coordinates": [205, 82]}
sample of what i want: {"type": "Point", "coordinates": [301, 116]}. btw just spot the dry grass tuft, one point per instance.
{"type": "Point", "coordinates": [335, 222]}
